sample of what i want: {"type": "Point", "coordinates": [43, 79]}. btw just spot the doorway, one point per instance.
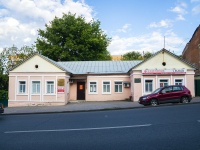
{"type": "Point", "coordinates": [80, 90]}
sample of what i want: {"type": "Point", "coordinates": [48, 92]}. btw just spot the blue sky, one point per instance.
{"type": "Point", "coordinates": [133, 25]}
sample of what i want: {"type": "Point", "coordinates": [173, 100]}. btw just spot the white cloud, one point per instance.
{"type": "Point", "coordinates": [125, 28]}
{"type": "Point", "coordinates": [20, 19]}
{"type": "Point", "coordinates": [180, 10]}
{"type": "Point", "coordinates": [151, 42]}
{"type": "Point", "coordinates": [196, 9]}
{"type": "Point", "coordinates": [163, 23]}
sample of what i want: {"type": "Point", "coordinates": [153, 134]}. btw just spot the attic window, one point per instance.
{"type": "Point", "coordinates": [164, 63]}
{"type": "Point", "coordinates": [36, 66]}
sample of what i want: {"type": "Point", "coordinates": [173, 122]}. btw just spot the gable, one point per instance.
{"type": "Point", "coordinates": [43, 66]}
{"type": "Point", "coordinates": [157, 60]}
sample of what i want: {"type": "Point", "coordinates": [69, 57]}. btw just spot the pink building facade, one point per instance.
{"type": "Point", "coordinates": [41, 81]}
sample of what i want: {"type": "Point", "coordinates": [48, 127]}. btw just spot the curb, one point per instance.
{"type": "Point", "coordinates": [101, 109]}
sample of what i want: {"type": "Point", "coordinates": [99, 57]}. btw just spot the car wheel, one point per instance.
{"type": "Point", "coordinates": [154, 102]}
{"type": "Point", "coordinates": [184, 99]}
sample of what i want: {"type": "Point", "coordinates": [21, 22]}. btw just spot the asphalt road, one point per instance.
{"type": "Point", "coordinates": [153, 128]}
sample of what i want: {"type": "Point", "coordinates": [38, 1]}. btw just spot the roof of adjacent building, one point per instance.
{"type": "Point", "coordinates": [166, 51]}
{"type": "Point", "coordinates": [98, 67]}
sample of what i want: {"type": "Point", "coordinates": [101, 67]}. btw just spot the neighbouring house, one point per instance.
{"type": "Point", "coordinates": [42, 81]}
{"type": "Point", "coordinates": [191, 53]}
{"type": "Point", "coordinates": [116, 57]}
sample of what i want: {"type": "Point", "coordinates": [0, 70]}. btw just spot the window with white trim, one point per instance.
{"type": "Point", "coordinates": [35, 87]}
{"type": "Point", "coordinates": [50, 87]}
{"type": "Point", "coordinates": [118, 86]}
{"type": "Point", "coordinates": [106, 87]}
{"type": "Point", "coordinates": [22, 87]}
{"type": "Point", "coordinates": [148, 86]}
{"type": "Point", "coordinates": [93, 87]}
{"type": "Point", "coordinates": [164, 82]}
{"type": "Point", "coordinates": [178, 81]}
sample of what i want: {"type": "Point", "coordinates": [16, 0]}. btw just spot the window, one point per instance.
{"type": "Point", "coordinates": [163, 82]}
{"type": "Point", "coordinates": [93, 87]}
{"type": "Point", "coordinates": [50, 87]}
{"type": "Point", "coordinates": [22, 87]}
{"type": "Point", "coordinates": [167, 90]}
{"type": "Point", "coordinates": [106, 87]}
{"type": "Point", "coordinates": [35, 87]}
{"type": "Point", "coordinates": [178, 81]}
{"type": "Point", "coordinates": [118, 86]}
{"type": "Point", "coordinates": [148, 85]}
{"type": "Point", "coordinates": [177, 88]}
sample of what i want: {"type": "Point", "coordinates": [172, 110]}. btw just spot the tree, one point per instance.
{"type": "Point", "coordinates": [132, 56]}
{"type": "Point", "coordinates": [11, 56]}
{"type": "Point", "coordinates": [71, 38]}
{"type": "Point", "coordinates": [147, 55]}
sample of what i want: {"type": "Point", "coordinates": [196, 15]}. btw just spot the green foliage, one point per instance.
{"type": "Point", "coordinates": [136, 56]}
{"type": "Point", "coordinates": [3, 95]}
{"type": "Point", "coordinates": [3, 82]}
{"type": "Point", "coordinates": [147, 55]}
{"type": "Point", "coordinates": [11, 56]}
{"type": "Point", "coordinates": [132, 56]}
{"type": "Point", "coordinates": [71, 38]}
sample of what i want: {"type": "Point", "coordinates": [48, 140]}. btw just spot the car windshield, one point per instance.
{"type": "Point", "coordinates": [156, 91]}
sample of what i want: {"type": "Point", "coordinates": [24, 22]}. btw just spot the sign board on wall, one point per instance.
{"type": "Point", "coordinates": [137, 80]}
{"type": "Point", "coordinates": [61, 82]}
{"type": "Point", "coordinates": [61, 89]}
{"type": "Point", "coordinates": [164, 71]}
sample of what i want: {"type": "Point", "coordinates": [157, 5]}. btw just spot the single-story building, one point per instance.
{"type": "Point", "coordinates": [42, 81]}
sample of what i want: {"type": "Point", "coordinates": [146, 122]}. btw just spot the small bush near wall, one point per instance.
{"type": "Point", "coordinates": [3, 94]}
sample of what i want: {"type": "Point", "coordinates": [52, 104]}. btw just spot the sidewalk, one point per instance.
{"type": "Point", "coordinates": [79, 107]}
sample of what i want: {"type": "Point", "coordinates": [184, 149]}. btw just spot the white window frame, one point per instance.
{"type": "Point", "coordinates": [106, 88]}
{"type": "Point", "coordinates": [118, 86]}
{"type": "Point", "coordinates": [93, 87]}
{"type": "Point", "coordinates": [38, 92]}
{"type": "Point", "coordinates": [145, 85]}
{"type": "Point", "coordinates": [53, 87]}
{"type": "Point", "coordinates": [163, 79]}
{"type": "Point", "coordinates": [183, 82]}
{"type": "Point", "coordinates": [19, 92]}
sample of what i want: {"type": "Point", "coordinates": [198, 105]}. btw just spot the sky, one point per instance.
{"type": "Point", "coordinates": [133, 25]}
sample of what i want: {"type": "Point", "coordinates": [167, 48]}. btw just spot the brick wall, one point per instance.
{"type": "Point", "coordinates": [191, 52]}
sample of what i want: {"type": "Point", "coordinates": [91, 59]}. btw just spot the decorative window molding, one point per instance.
{"type": "Point", "coordinates": [163, 82]}
{"type": "Point", "coordinates": [179, 81]}
{"type": "Point", "coordinates": [106, 88]}
{"type": "Point", "coordinates": [118, 86]}
{"type": "Point", "coordinates": [36, 87]}
{"type": "Point", "coordinates": [50, 87]}
{"type": "Point", "coordinates": [148, 85]}
{"type": "Point", "coordinates": [22, 87]}
{"type": "Point", "coordinates": [93, 87]}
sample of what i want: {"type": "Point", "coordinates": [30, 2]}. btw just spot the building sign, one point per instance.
{"type": "Point", "coordinates": [61, 89]}
{"type": "Point", "coordinates": [164, 71]}
{"type": "Point", "coordinates": [137, 80]}
{"type": "Point", "coordinates": [61, 82]}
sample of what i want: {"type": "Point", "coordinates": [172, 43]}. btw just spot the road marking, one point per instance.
{"type": "Point", "coordinates": [80, 129]}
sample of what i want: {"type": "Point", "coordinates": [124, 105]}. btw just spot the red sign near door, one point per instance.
{"type": "Point", "coordinates": [61, 90]}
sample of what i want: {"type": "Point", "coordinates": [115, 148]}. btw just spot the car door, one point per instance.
{"type": "Point", "coordinates": [165, 95]}
{"type": "Point", "coordinates": [177, 93]}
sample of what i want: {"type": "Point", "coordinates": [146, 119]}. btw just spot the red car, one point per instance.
{"type": "Point", "coordinates": [167, 94]}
